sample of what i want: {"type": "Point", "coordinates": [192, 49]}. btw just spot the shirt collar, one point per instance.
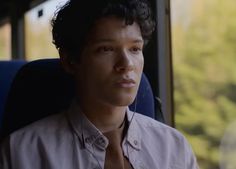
{"type": "Point", "coordinates": [89, 134]}
{"type": "Point", "coordinates": [84, 129]}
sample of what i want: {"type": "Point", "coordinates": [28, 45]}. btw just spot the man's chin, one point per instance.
{"type": "Point", "coordinates": [126, 101]}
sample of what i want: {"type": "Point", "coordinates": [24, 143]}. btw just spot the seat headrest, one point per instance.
{"type": "Point", "coordinates": [8, 69]}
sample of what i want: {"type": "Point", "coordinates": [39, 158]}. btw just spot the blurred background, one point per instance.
{"type": "Point", "coordinates": [204, 63]}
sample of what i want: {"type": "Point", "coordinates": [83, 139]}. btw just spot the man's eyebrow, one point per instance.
{"type": "Point", "coordinates": [103, 40]}
{"type": "Point", "coordinates": [113, 40]}
{"type": "Point", "coordinates": [138, 41]}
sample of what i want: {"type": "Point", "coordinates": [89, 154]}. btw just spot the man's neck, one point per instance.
{"type": "Point", "coordinates": [105, 118]}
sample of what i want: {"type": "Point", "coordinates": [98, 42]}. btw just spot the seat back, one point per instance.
{"type": "Point", "coordinates": [42, 87]}
{"type": "Point", "coordinates": [8, 69]}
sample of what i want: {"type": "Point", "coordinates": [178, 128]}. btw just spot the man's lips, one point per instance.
{"type": "Point", "coordinates": [126, 83]}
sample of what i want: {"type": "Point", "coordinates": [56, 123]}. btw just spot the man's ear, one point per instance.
{"type": "Point", "coordinates": [66, 62]}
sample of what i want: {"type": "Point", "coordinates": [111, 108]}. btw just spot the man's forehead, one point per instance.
{"type": "Point", "coordinates": [112, 34]}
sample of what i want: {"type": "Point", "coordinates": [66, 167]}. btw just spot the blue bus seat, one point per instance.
{"type": "Point", "coordinates": [42, 87]}
{"type": "Point", "coordinates": [8, 69]}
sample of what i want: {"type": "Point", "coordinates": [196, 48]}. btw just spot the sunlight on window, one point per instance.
{"type": "Point", "coordinates": [38, 38]}
{"type": "Point", "coordinates": [5, 41]}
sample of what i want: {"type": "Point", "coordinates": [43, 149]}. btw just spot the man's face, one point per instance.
{"type": "Point", "coordinates": [111, 64]}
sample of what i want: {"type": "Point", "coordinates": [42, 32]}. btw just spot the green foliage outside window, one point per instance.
{"type": "Point", "coordinates": [204, 54]}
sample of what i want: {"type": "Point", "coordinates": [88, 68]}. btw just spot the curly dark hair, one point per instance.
{"type": "Point", "coordinates": [72, 22]}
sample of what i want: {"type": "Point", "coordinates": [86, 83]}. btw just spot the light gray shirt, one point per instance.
{"type": "Point", "coordinates": [70, 141]}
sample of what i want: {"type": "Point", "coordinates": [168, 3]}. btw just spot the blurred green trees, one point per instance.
{"type": "Point", "coordinates": [204, 55]}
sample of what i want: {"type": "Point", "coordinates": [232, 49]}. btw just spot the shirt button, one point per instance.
{"type": "Point", "coordinates": [87, 140]}
{"type": "Point", "coordinates": [135, 142]}
{"type": "Point", "coordinates": [141, 166]}
{"type": "Point", "coordinates": [101, 141]}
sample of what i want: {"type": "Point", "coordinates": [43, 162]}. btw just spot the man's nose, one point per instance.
{"type": "Point", "coordinates": [124, 62]}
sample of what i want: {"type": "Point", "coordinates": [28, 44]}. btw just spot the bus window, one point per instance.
{"type": "Point", "coordinates": [204, 38]}
{"type": "Point", "coordinates": [5, 41]}
{"type": "Point", "coordinates": [38, 39]}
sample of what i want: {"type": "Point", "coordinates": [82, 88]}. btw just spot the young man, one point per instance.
{"type": "Point", "coordinates": [100, 43]}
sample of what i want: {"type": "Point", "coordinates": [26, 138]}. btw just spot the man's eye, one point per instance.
{"type": "Point", "coordinates": [105, 49]}
{"type": "Point", "coordinates": [136, 49]}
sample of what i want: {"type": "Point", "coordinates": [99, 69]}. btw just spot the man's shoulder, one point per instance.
{"type": "Point", "coordinates": [159, 137]}
{"type": "Point", "coordinates": [43, 128]}
{"type": "Point", "coordinates": [167, 144]}
{"type": "Point", "coordinates": [49, 137]}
